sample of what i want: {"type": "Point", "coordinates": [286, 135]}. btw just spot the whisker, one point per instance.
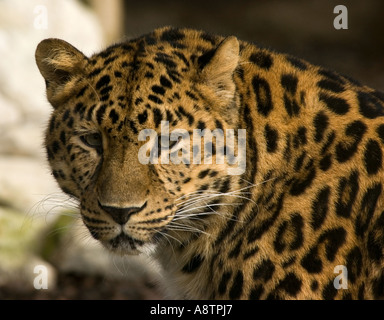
{"type": "Point", "coordinates": [199, 207]}
{"type": "Point", "coordinates": [214, 196]}
{"type": "Point", "coordinates": [196, 195]}
{"type": "Point", "coordinates": [183, 227]}
{"type": "Point", "coordinates": [52, 204]}
{"type": "Point", "coordinates": [187, 230]}
{"type": "Point", "coordinates": [195, 216]}
{"type": "Point", "coordinates": [257, 184]}
{"type": "Point", "coordinates": [165, 235]}
{"type": "Point", "coordinates": [198, 192]}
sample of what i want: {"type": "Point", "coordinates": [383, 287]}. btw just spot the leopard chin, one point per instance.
{"type": "Point", "coordinates": [123, 244]}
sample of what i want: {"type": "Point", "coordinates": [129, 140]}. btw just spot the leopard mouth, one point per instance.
{"type": "Point", "coordinates": [123, 244]}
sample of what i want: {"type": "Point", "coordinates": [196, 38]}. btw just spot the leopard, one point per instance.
{"type": "Point", "coordinates": [304, 219]}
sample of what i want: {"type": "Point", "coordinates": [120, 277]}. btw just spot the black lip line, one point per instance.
{"type": "Point", "coordinates": [141, 208]}
{"type": "Point", "coordinates": [124, 238]}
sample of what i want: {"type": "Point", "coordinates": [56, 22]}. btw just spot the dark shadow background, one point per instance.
{"type": "Point", "coordinates": [302, 28]}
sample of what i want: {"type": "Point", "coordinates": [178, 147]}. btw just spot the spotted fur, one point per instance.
{"type": "Point", "coordinates": [311, 197]}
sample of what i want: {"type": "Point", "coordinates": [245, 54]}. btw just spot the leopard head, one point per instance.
{"type": "Point", "coordinates": [122, 127]}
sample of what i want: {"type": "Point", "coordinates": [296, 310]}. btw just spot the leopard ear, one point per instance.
{"type": "Point", "coordinates": [218, 67]}
{"type": "Point", "coordinates": [59, 63]}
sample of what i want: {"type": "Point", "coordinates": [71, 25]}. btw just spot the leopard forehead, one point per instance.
{"type": "Point", "coordinates": [141, 82]}
{"type": "Point", "coordinates": [311, 197]}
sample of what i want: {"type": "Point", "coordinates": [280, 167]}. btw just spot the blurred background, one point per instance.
{"type": "Point", "coordinates": [41, 236]}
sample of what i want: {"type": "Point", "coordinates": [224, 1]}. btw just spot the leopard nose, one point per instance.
{"type": "Point", "coordinates": [121, 215]}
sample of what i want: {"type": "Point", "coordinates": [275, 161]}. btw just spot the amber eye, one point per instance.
{"type": "Point", "coordinates": [93, 140]}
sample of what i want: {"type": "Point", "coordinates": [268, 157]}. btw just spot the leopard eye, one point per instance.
{"type": "Point", "coordinates": [93, 140]}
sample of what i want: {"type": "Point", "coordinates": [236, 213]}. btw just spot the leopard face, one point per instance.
{"type": "Point", "coordinates": [129, 200]}
{"type": "Point", "coordinates": [293, 192]}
